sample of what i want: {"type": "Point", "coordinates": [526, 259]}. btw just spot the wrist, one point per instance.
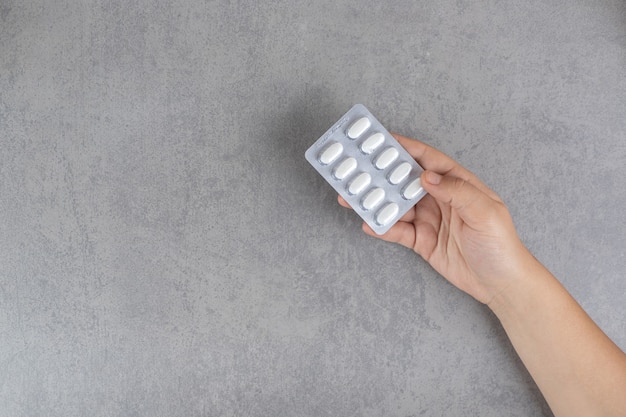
{"type": "Point", "coordinates": [527, 285]}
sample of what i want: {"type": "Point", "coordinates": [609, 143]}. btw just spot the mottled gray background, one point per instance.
{"type": "Point", "coordinates": [166, 250]}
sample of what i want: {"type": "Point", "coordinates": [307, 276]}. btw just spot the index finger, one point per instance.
{"type": "Point", "coordinates": [432, 159]}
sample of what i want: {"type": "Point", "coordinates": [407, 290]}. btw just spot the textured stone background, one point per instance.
{"type": "Point", "coordinates": [166, 250]}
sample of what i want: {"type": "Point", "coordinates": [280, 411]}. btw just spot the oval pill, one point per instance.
{"type": "Point", "coordinates": [331, 153]}
{"type": "Point", "coordinates": [386, 158]}
{"type": "Point", "coordinates": [372, 143]}
{"type": "Point", "coordinates": [412, 189]}
{"type": "Point", "coordinates": [373, 198]}
{"type": "Point", "coordinates": [345, 168]}
{"type": "Point", "coordinates": [359, 127]}
{"type": "Point", "coordinates": [400, 173]}
{"type": "Point", "coordinates": [387, 214]}
{"type": "Point", "coordinates": [359, 183]}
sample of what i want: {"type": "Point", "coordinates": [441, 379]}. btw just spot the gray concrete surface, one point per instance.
{"type": "Point", "coordinates": [166, 250]}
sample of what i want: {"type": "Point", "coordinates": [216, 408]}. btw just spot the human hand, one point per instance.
{"type": "Point", "coordinates": [461, 228]}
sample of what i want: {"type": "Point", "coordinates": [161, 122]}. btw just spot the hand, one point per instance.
{"type": "Point", "coordinates": [465, 232]}
{"type": "Point", "coordinates": [461, 228]}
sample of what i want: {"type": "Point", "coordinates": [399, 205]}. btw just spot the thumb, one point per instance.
{"type": "Point", "coordinates": [472, 204]}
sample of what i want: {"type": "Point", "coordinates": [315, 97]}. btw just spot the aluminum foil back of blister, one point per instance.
{"type": "Point", "coordinates": [368, 167]}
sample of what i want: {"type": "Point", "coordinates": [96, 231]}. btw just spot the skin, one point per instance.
{"type": "Point", "coordinates": [465, 232]}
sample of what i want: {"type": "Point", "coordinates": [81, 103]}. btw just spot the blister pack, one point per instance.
{"type": "Point", "coordinates": [368, 168]}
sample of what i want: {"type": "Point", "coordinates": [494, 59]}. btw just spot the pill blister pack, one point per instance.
{"type": "Point", "coordinates": [368, 168]}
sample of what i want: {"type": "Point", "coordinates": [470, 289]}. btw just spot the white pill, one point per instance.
{"type": "Point", "coordinates": [359, 183]}
{"type": "Point", "coordinates": [386, 158]}
{"type": "Point", "coordinates": [345, 168]}
{"type": "Point", "coordinates": [412, 189]}
{"type": "Point", "coordinates": [330, 153]}
{"type": "Point", "coordinates": [373, 198]}
{"type": "Point", "coordinates": [359, 127]}
{"type": "Point", "coordinates": [370, 144]}
{"type": "Point", "coordinates": [400, 173]}
{"type": "Point", "coordinates": [387, 214]}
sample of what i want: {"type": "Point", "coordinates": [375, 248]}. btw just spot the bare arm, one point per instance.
{"type": "Point", "coordinates": [579, 370]}
{"type": "Point", "coordinates": [464, 230]}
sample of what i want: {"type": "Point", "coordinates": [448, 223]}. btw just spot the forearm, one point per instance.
{"type": "Point", "coordinates": [579, 370]}
{"type": "Point", "coordinates": [463, 229]}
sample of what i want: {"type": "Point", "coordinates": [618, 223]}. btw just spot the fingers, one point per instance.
{"type": "Point", "coordinates": [448, 183]}
{"type": "Point", "coordinates": [472, 204]}
{"type": "Point", "coordinates": [431, 159]}
{"type": "Point", "coordinates": [420, 236]}
{"type": "Point", "coordinates": [401, 232]}
{"type": "Point", "coordinates": [415, 230]}
{"type": "Point", "coordinates": [342, 202]}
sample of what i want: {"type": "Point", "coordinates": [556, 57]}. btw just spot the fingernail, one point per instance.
{"type": "Point", "coordinates": [433, 178]}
